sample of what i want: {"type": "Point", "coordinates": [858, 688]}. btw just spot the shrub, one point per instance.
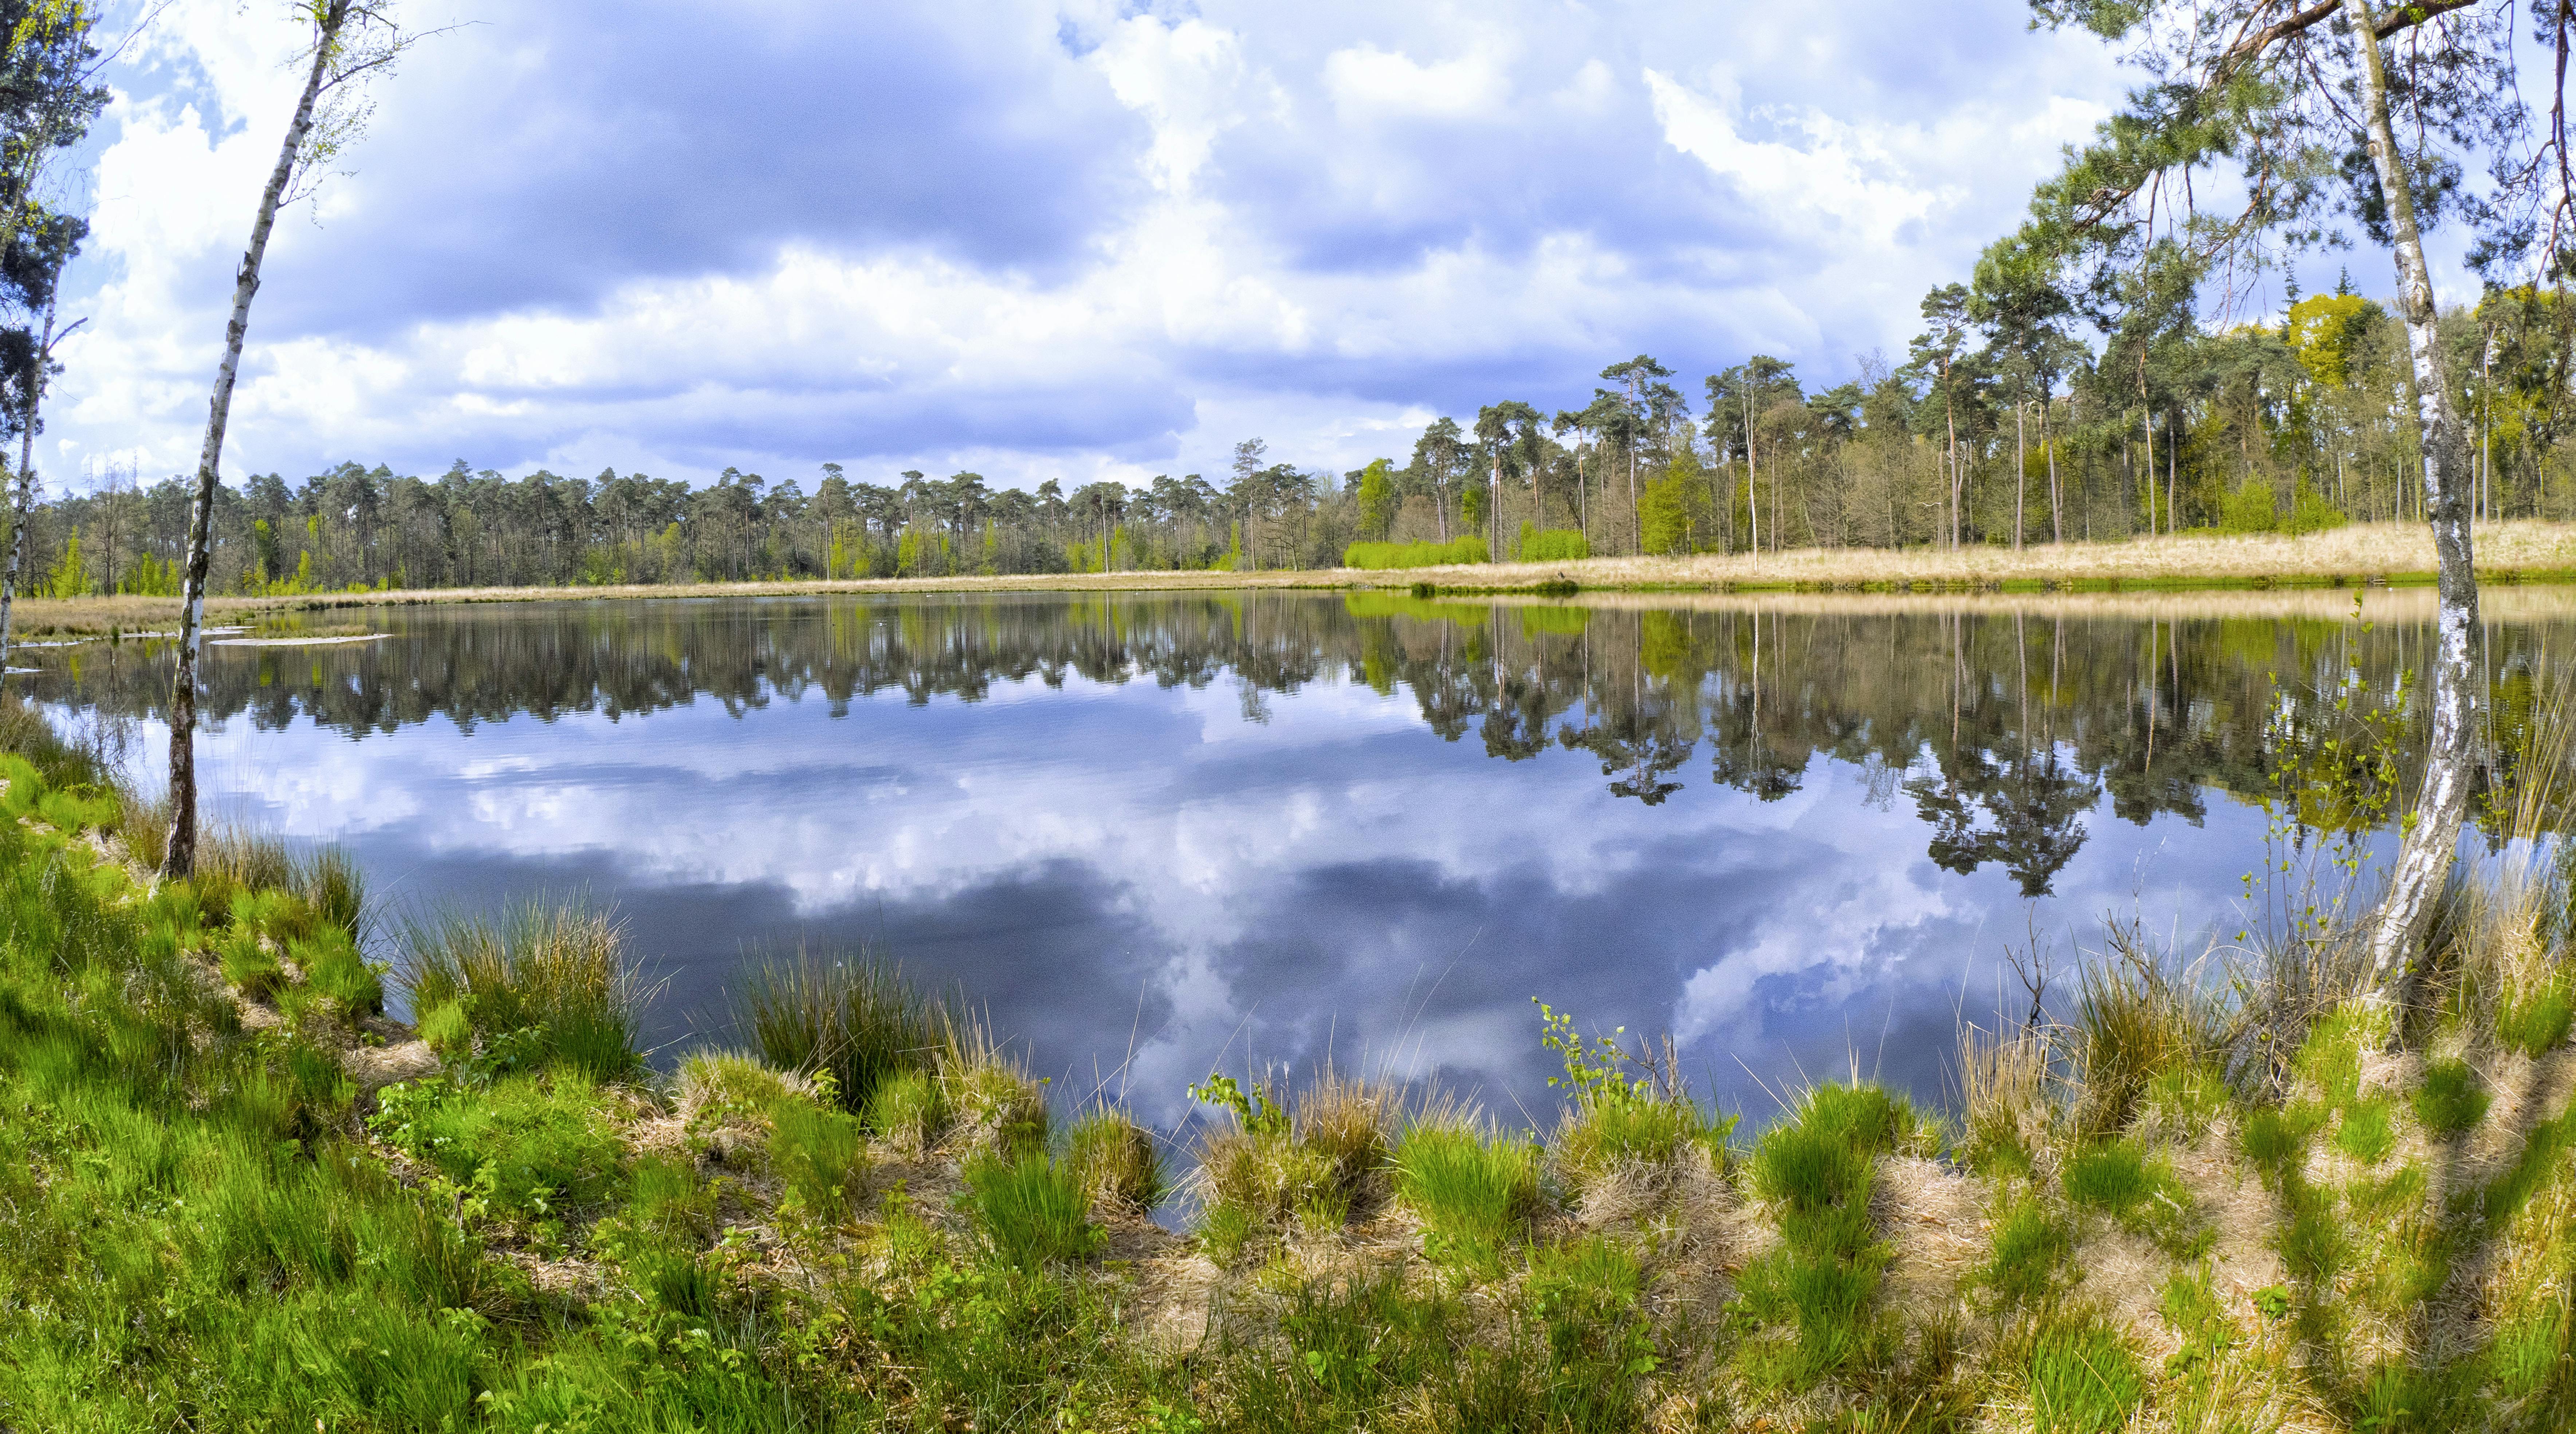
{"type": "Point", "coordinates": [818, 1153]}
{"type": "Point", "coordinates": [1474, 1194]}
{"type": "Point", "coordinates": [855, 1020]}
{"type": "Point", "coordinates": [1030, 1210]}
{"type": "Point", "coordinates": [1552, 545]}
{"type": "Point", "coordinates": [556, 975]}
{"type": "Point", "coordinates": [2450, 1100]}
{"type": "Point", "coordinates": [2310, 512]}
{"type": "Point", "coordinates": [1113, 1159]}
{"type": "Point", "coordinates": [1381, 557]}
{"type": "Point", "coordinates": [2249, 509]}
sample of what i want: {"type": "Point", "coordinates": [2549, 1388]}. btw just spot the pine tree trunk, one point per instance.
{"type": "Point", "coordinates": [2425, 853]}
{"type": "Point", "coordinates": [25, 487]}
{"type": "Point", "coordinates": [182, 858]}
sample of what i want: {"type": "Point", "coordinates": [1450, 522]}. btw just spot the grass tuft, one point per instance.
{"type": "Point", "coordinates": [555, 976]}
{"type": "Point", "coordinates": [2451, 1100]}
{"type": "Point", "coordinates": [1114, 1160]}
{"type": "Point", "coordinates": [1474, 1192]}
{"type": "Point", "coordinates": [1031, 1211]}
{"type": "Point", "coordinates": [856, 1021]}
{"type": "Point", "coordinates": [2083, 1380]}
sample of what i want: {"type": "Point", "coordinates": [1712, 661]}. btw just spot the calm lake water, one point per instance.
{"type": "Point", "coordinates": [1159, 833]}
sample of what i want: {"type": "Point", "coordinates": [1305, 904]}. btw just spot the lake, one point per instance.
{"type": "Point", "coordinates": [1157, 833]}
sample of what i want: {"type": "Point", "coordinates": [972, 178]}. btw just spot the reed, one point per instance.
{"type": "Point", "coordinates": [855, 1022]}
{"type": "Point", "coordinates": [554, 974]}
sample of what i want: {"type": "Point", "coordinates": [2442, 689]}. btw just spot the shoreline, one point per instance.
{"type": "Point", "coordinates": [2520, 553]}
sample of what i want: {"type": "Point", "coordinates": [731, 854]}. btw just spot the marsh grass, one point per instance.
{"type": "Point", "coordinates": [1115, 1160]}
{"type": "Point", "coordinates": [855, 1020]}
{"type": "Point", "coordinates": [819, 1154]}
{"type": "Point", "coordinates": [1031, 1210]}
{"type": "Point", "coordinates": [909, 1111]}
{"type": "Point", "coordinates": [2452, 1100]}
{"type": "Point", "coordinates": [1474, 1188]}
{"type": "Point", "coordinates": [730, 1087]}
{"type": "Point", "coordinates": [555, 976]}
{"type": "Point", "coordinates": [1817, 1168]}
{"type": "Point", "coordinates": [2082, 1378]}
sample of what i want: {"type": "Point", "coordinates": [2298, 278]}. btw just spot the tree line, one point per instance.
{"type": "Point", "coordinates": [1992, 432]}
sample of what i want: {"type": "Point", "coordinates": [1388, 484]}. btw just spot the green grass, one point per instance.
{"type": "Point", "coordinates": [855, 1021]}
{"type": "Point", "coordinates": [1474, 1192]}
{"type": "Point", "coordinates": [530, 1144]}
{"type": "Point", "coordinates": [2083, 1379]}
{"type": "Point", "coordinates": [819, 1155]}
{"type": "Point", "coordinates": [2031, 1251]}
{"type": "Point", "coordinates": [2122, 1179]}
{"type": "Point", "coordinates": [1601, 1135]}
{"type": "Point", "coordinates": [1032, 1210]}
{"type": "Point", "coordinates": [2537, 1020]}
{"type": "Point", "coordinates": [2451, 1100]}
{"type": "Point", "coordinates": [1818, 1167]}
{"type": "Point", "coordinates": [1114, 1159]}
{"type": "Point", "coordinates": [910, 1110]}
{"type": "Point", "coordinates": [1381, 557]}
{"type": "Point", "coordinates": [554, 977]}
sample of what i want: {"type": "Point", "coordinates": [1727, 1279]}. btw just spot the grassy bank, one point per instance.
{"type": "Point", "coordinates": [2369, 554]}
{"type": "Point", "coordinates": [234, 1195]}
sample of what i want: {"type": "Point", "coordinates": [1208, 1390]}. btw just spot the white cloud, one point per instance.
{"type": "Point", "coordinates": [1337, 220]}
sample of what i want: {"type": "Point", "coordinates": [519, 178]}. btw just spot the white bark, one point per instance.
{"type": "Point", "coordinates": [328, 20]}
{"type": "Point", "coordinates": [2425, 853]}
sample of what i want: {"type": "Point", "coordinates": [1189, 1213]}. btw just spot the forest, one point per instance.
{"type": "Point", "coordinates": [1991, 432]}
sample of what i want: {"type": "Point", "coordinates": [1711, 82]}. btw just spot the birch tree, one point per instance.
{"type": "Point", "coordinates": [350, 40]}
{"type": "Point", "coordinates": [36, 271]}
{"type": "Point", "coordinates": [2294, 104]}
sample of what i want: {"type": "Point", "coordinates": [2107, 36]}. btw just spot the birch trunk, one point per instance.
{"type": "Point", "coordinates": [2021, 471]}
{"type": "Point", "coordinates": [182, 858]}
{"type": "Point", "coordinates": [2425, 852]}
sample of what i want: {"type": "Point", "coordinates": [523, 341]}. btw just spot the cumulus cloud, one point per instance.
{"type": "Point", "coordinates": [1038, 238]}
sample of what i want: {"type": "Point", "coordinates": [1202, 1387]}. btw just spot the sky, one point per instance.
{"type": "Point", "coordinates": [1066, 239]}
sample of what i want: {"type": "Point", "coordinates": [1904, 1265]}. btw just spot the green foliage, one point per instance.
{"type": "Point", "coordinates": [2311, 512]}
{"type": "Point", "coordinates": [1252, 1109]}
{"type": "Point", "coordinates": [2119, 1178]}
{"type": "Point", "coordinates": [1381, 557]}
{"type": "Point", "coordinates": [2249, 509]}
{"type": "Point", "coordinates": [1377, 498]}
{"type": "Point", "coordinates": [1031, 1210]}
{"type": "Point", "coordinates": [2451, 1099]}
{"type": "Point", "coordinates": [1474, 1194]}
{"type": "Point", "coordinates": [1666, 519]}
{"type": "Point", "coordinates": [856, 1020]}
{"type": "Point", "coordinates": [1551, 545]}
{"type": "Point", "coordinates": [523, 1145]}
{"type": "Point", "coordinates": [447, 1029]}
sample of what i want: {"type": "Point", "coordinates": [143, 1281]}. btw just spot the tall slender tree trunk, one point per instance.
{"type": "Point", "coordinates": [2147, 424]}
{"type": "Point", "coordinates": [1752, 478]}
{"type": "Point", "coordinates": [182, 858]}
{"type": "Point", "coordinates": [2056, 493]}
{"type": "Point", "coordinates": [23, 504]}
{"type": "Point", "coordinates": [2021, 471]}
{"type": "Point", "coordinates": [2425, 853]}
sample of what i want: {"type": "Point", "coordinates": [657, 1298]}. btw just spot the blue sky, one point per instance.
{"type": "Point", "coordinates": [1036, 238]}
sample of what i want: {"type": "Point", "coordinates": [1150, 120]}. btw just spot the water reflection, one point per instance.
{"type": "Point", "coordinates": [1153, 830]}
